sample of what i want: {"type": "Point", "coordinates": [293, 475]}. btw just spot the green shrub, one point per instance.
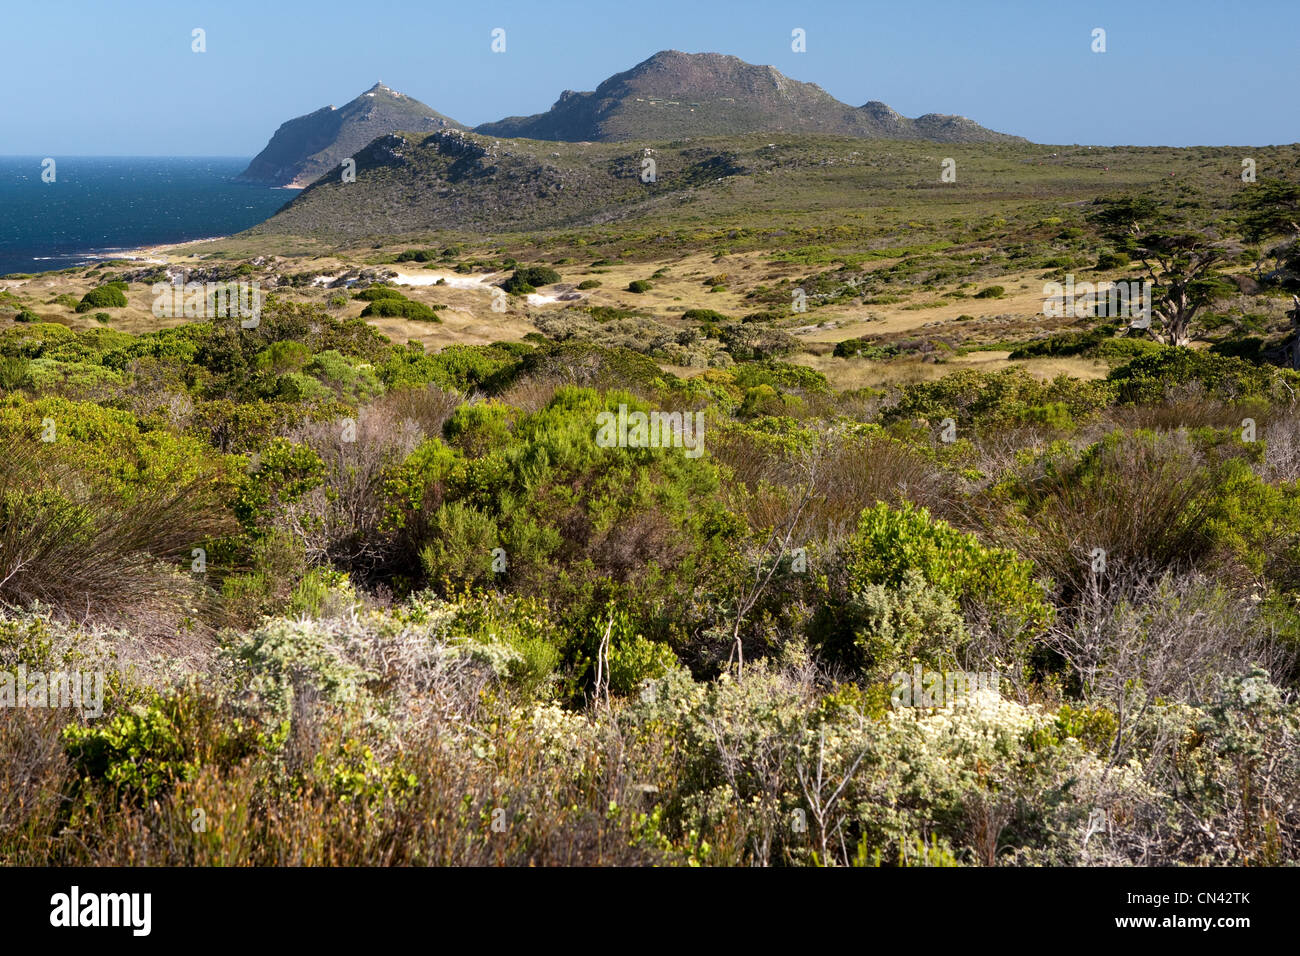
{"type": "Point", "coordinates": [284, 473]}
{"type": "Point", "coordinates": [1003, 397]}
{"type": "Point", "coordinates": [1150, 379]}
{"type": "Point", "coordinates": [148, 751]}
{"type": "Point", "coordinates": [708, 316]}
{"type": "Point", "coordinates": [632, 658]}
{"type": "Point", "coordinates": [992, 292]}
{"type": "Point", "coordinates": [403, 307]}
{"type": "Point", "coordinates": [901, 580]}
{"type": "Point", "coordinates": [891, 542]}
{"type": "Point", "coordinates": [897, 624]}
{"type": "Point", "coordinates": [527, 279]}
{"type": "Point", "coordinates": [15, 372]}
{"type": "Point", "coordinates": [460, 552]}
{"type": "Point", "coordinates": [1099, 342]}
{"type": "Point", "coordinates": [376, 292]}
{"type": "Point", "coordinates": [865, 348]}
{"type": "Point", "coordinates": [516, 636]}
{"type": "Point", "coordinates": [611, 313]}
{"type": "Point", "coordinates": [639, 285]}
{"type": "Point", "coordinates": [589, 284]}
{"type": "Point", "coordinates": [352, 382]}
{"type": "Point", "coordinates": [480, 427]}
{"type": "Point", "coordinates": [780, 375]}
{"type": "Point", "coordinates": [105, 297]}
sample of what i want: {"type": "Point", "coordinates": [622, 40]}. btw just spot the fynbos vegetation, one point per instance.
{"type": "Point", "coordinates": [627, 495]}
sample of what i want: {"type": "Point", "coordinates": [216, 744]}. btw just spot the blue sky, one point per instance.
{"type": "Point", "coordinates": [119, 78]}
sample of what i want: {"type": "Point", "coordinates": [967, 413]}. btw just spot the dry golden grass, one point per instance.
{"type": "Point", "coordinates": [854, 373]}
{"type": "Point", "coordinates": [681, 289]}
{"type": "Point", "coordinates": [858, 320]}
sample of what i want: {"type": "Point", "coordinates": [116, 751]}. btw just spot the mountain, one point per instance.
{"type": "Point", "coordinates": [452, 179]}
{"type": "Point", "coordinates": [304, 148]}
{"type": "Point", "coordinates": [676, 94]}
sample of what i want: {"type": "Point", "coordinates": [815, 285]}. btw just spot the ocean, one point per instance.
{"type": "Point", "coordinates": [101, 205]}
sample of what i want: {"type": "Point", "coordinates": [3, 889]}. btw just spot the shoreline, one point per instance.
{"type": "Point", "coordinates": [143, 252]}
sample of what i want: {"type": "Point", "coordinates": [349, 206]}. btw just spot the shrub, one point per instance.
{"type": "Point", "coordinates": [147, 752]}
{"type": "Point", "coordinates": [639, 285]}
{"type": "Point", "coordinates": [481, 427]}
{"type": "Point", "coordinates": [105, 297]}
{"type": "Point", "coordinates": [781, 375]}
{"type": "Point", "coordinates": [746, 342]}
{"type": "Point", "coordinates": [15, 372]}
{"type": "Point", "coordinates": [527, 278]}
{"type": "Point", "coordinates": [867, 349]}
{"type": "Point", "coordinates": [891, 542]}
{"type": "Point", "coordinates": [610, 313]}
{"type": "Point", "coordinates": [460, 552]}
{"type": "Point", "coordinates": [1141, 497]}
{"type": "Point", "coordinates": [896, 624]}
{"type": "Point", "coordinates": [517, 637]}
{"type": "Point", "coordinates": [632, 659]}
{"type": "Point", "coordinates": [1154, 378]}
{"type": "Point", "coordinates": [708, 316]}
{"type": "Point", "coordinates": [899, 581]}
{"type": "Point", "coordinates": [1003, 397]}
{"type": "Point", "coordinates": [100, 524]}
{"type": "Point", "coordinates": [1100, 342]}
{"type": "Point", "coordinates": [589, 284]}
{"type": "Point", "coordinates": [992, 292]}
{"type": "Point", "coordinates": [376, 292]}
{"type": "Point", "coordinates": [404, 307]}
{"type": "Point", "coordinates": [280, 660]}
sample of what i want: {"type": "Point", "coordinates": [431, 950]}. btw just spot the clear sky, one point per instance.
{"type": "Point", "coordinates": [120, 78]}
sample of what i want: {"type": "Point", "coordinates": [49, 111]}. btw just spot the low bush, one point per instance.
{"type": "Point", "coordinates": [111, 296]}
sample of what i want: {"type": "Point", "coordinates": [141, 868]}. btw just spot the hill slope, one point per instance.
{"type": "Point", "coordinates": [458, 181]}
{"type": "Point", "coordinates": [674, 94]}
{"type": "Point", "coordinates": [304, 148]}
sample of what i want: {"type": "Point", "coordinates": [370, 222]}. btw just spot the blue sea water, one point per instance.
{"type": "Point", "coordinates": [101, 205]}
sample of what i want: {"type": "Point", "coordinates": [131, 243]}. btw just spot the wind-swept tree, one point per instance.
{"type": "Point", "coordinates": [1180, 266]}
{"type": "Point", "coordinates": [1179, 262]}
{"type": "Point", "coordinates": [1270, 210]}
